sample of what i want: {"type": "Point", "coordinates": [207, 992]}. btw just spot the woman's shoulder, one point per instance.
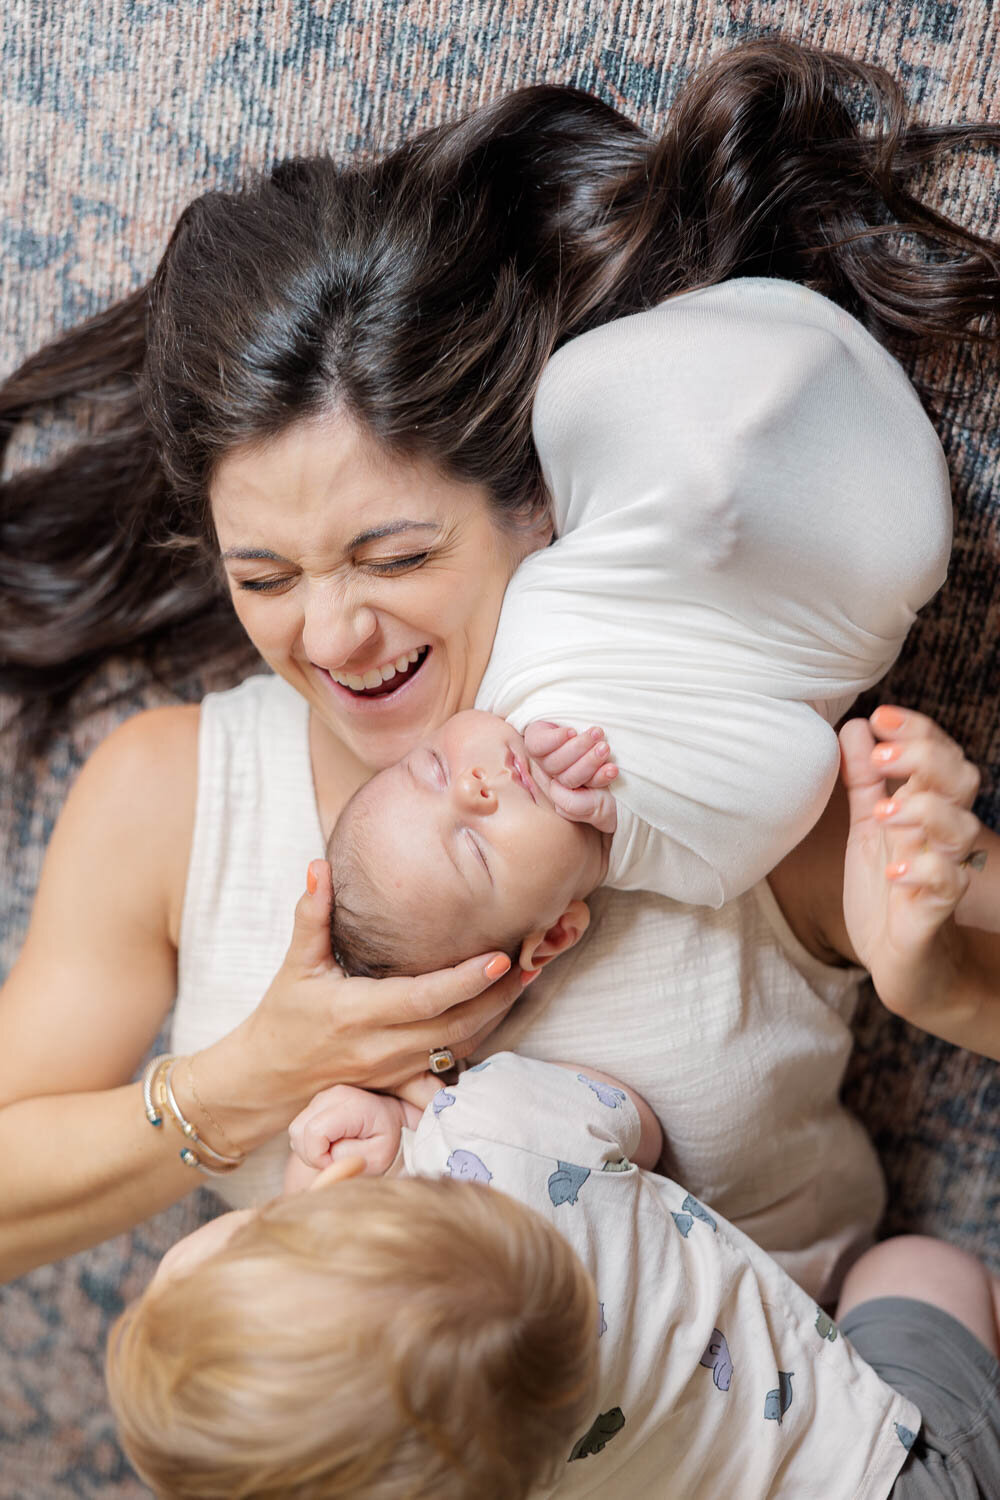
{"type": "Point", "coordinates": [158, 744]}
{"type": "Point", "coordinates": [127, 823]}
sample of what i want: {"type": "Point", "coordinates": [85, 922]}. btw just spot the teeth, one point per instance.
{"type": "Point", "coordinates": [377, 675]}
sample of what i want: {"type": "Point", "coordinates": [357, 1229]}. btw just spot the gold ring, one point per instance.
{"type": "Point", "coordinates": [441, 1060]}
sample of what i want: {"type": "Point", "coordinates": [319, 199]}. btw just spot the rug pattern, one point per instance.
{"type": "Point", "coordinates": [114, 116]}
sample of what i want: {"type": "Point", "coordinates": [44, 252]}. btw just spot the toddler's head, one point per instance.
{"type": "Point", "coordinates": [378, 1338]}
{"type": "Point", "coordinates": [454, 851]}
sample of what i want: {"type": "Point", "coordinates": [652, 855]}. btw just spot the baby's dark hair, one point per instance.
{"type": "Point", "coordinates": [375, 939]}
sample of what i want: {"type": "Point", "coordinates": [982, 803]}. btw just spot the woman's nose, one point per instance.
{"type": "Point", "coordinates": [333, 631]}
{"type": "Point", "coordinates": [476, 792]}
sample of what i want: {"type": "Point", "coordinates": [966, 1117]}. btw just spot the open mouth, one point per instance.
{"type": "Point", "coordinates": [400, 675]}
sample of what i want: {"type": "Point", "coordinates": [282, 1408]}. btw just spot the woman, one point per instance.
{"type": "Point", "coordinates": [328, 347]}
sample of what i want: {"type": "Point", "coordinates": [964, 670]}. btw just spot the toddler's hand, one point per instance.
{"type": "Point", "coordinates": [575, 772]}
{"type": "Point", "coordinates": [343, 1121]}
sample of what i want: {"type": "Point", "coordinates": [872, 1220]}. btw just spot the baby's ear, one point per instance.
{"type": "Point", "coordinates": [547, 943]}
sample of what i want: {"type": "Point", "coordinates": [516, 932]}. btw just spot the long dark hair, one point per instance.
{"type": "Point", "coordinates": [422, 293]}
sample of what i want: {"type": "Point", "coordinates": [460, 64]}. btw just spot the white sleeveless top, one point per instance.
{"type": "Point", "coordinates": [735, 1035]}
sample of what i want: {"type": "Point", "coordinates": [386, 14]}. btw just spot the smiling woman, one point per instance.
{"type": "Point", "coordinates": [344, 562]}
{"type": "Point", "coordinates": [330, 379]}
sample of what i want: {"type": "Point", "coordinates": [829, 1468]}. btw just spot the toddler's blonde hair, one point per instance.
{"type": "Point", "coordinates": [378, 1338]}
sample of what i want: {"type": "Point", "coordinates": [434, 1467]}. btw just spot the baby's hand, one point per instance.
{"type": "Point", "coordinates": [343, 1121]}
{"type": "Point", "coordinates": [574, 771]}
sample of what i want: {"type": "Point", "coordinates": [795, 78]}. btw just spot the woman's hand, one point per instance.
{"type": "Point", "coordinates": [912, 852]}
{"type": "Point", "coordinates": [574, 771]}
{"type": "Point", "coordinates": [315, 1026]}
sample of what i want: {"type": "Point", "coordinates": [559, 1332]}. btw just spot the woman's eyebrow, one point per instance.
{"type": "Point", "coordinates": [373, 534]}
{"type": "Point", "coordinates": [251, 554]}
{"type": "Point", "coordinates": [392, 528]}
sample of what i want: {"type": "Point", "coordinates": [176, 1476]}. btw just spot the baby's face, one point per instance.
{"type": "Point", "coordinates": [461, 821]}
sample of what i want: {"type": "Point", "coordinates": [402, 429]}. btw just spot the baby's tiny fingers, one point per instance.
{"type": "Point", "coordinates": [542, 738]}
{"type": "Point", "coordinates": [586, 806]}
{"type": "Point", "coordinates": [586, 768]}
{"type": "Point", "coordinates": [558, 762]}
{"type": "Point", "coordinates": [313, 1145]}
{"type": "Point", "coordinates": [576, 804]}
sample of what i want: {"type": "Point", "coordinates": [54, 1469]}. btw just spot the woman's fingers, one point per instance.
{"type": "Point", "coordinates": [940, 882]}
{"type": "Point", "coordinates": [864, 781]}
{"type": "Point", "coordinates": [319, 1026]}
{"type": "Point", "coordinates": [928, 819]}
{"type": "Point", "coordinates": [914, 750]}
{"type": "Point", "coordinates": [467, 1024]}
{"type": "Point", "coordinates": [437, 1015]}
{"type": "Point", "coordinates": [309, 949]}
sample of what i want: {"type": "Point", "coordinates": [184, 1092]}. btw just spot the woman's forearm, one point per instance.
{"type": "Point", "coordinates": [961, 1000]}
{"type": "Point", "coordinates": [78, 1168]}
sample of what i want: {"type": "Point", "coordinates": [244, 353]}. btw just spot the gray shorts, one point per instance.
{"type": "Point", "coordinates": [931, 1358]}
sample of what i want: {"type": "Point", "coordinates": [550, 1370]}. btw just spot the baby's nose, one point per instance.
{"type": "Point", "coordinates": [477, 790]}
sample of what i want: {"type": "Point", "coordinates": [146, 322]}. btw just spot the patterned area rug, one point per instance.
{"type": "Point", "coordinates": [116, 114]}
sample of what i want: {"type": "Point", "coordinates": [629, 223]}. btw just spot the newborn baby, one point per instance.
{"type": "Point", "coordinates": [479, 838]}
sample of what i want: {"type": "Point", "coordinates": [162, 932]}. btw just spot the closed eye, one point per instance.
{"type": "Point", "coordinates": [397, 564]}
{"type": "Point", "coordinates": [263, 585]}
{"type": "Point", "coordinates": [479, 852]}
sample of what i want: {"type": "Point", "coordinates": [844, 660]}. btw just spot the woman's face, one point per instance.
{"type": "Point", "coordinates": [373, 586]}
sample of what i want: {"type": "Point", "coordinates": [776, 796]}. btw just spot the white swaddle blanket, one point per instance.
{"type": "Point", "coordinates": [750, 506]}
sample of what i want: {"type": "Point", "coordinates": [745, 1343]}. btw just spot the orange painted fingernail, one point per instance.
{"type": "Point", "coordinates": [886, 753]}
{"type": "Point", "coordinates": [311, 881]}
{"type": "Point", "coordinates": [893, 872]}
{"type": "Point", "coordinates": [885, 808]}
{"type": "Point", "coordinates": [497, 967]}
{"type": "Point", "coordinates": [888, 718]}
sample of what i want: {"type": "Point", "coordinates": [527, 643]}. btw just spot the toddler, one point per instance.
{"type": "Point", "coordinates": [525, 1310]}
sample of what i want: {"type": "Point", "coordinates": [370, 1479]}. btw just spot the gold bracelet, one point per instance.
{"type": "Point", "coordinates": [199, 1101]}
{"type": "Point", "coordinates": [196, 1149]}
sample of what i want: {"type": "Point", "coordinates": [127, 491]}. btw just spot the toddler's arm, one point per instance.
{"type": "Point", "coordinates": [341, 1122]}
{"type": "Point", "coordinates": [650, 1146]}
{"type": "Point", "coordinates": [575, 772]}
{"type": "Point", "coordinates": [922, 912]}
